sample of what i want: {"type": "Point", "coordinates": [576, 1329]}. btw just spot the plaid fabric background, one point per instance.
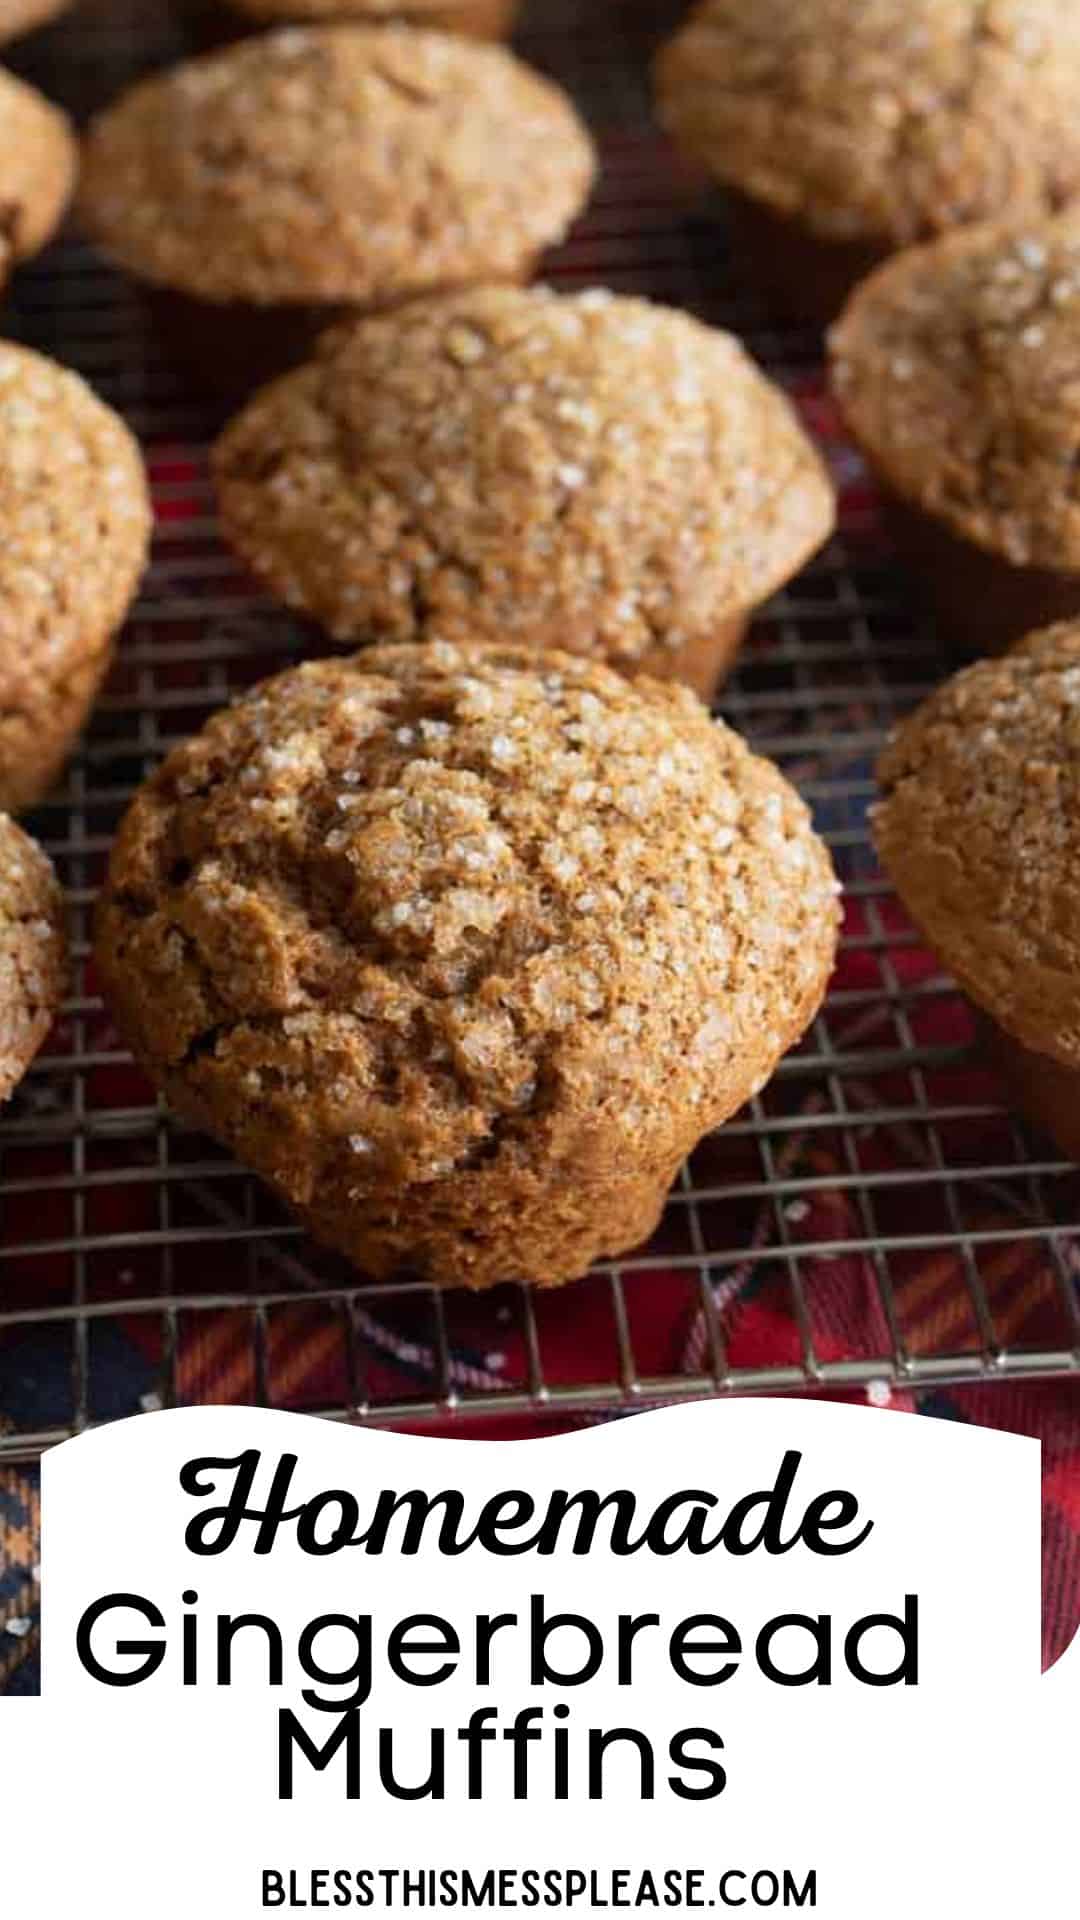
{"type": "Point", "coordinates": [214, 1358]}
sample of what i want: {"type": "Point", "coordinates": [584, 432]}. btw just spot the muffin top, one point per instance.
{"type": "Point", "coordinates": [74, 523]}
{"type": "Point", "coordinates": [582, 471]}
{"type": "Point", "coordinates": [424, 906]}
{"type": "Point", "coordinates": [882, 120]}
{"type": "Point", "coordinates": [19, 16]}
{"type": "Point", "coordinates": [958, 368]}
{"type": "Point", "coordinates": [339, 163]}
{"type": "Point", "coordinates": [32, 951]}
{"type": "Point", "coordinates": [979, 830]}
{"type": "Point", "coordinates": [38, 170]}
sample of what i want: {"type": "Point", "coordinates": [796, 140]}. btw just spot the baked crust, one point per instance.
{"type": "Point", "coordinates": [74, 524]}
{"type": "Point", "coordinates": [32, 951]}
{"type": "Point", "coordinates": [464, 950]}
{"type": "Point", "coordinates": [587, 472]}
{"type": "Point", "coordinates": [957, 366]}
{"type": "Point", "coordinates": [336, 164]}
{"type": "Point", "coordinates": [40, 160]}
{"type": "Point", "coordinates": [881, 120]}
{"type": "Point", "coordinates": [979, 830]}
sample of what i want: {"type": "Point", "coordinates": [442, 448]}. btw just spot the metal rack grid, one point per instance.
{"type": "Point", "coordinates": [893, 1223]}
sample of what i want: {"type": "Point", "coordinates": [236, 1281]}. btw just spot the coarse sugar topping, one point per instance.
{"type": "Point", "coordinates": [589, 472]}
{"type": "Point", "coordinates": [74, 522]}
{"type": "Point", "coordinates": [435, 900]}
{"type": "Point", "coordinates": [979, 829]}
{"type": "Point", "coordinates": [882, 120]}
{"type": "Point", "coordinates": [336, 164]}
{"type": "Point", "coordinates": [958, 368]}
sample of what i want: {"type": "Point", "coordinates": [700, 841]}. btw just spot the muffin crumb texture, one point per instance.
{"type": "Point", "coordinates": [338, 164]}
{"type": "Point", "coordinates": [979, 830]}
{"type": "Point", "coordinates": [882, 120]}
{"type": "Point", "coordinates": [464, 953]}
{"type": "Point", "coordinates": [32, 951]}
{"type": "Point", "coordinates": [74, 523]}
{"type": "Point", "coordinates": [586, 472]}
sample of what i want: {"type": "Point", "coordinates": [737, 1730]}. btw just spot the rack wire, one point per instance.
{"type": "Point", "coordinates": [874, 1219]}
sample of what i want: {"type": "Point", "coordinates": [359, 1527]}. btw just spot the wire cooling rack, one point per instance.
{"type": "Point", "coordinates": [873, 1219]}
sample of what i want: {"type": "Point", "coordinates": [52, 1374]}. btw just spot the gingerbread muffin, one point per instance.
{"type": "Point", "coordinates": [979, 830]}
{"type": "Point", "coordinates": [310, 171]}
{"type": "Point", "coordinates": [848, 129]}
{"type": "Point", "coordinates": [22, 16]}
{"type": "Point", "coordinates": [957, 366]}
{"type": "Point", "coordinates": [39, 164]}
{"type": "Point", "coordinates": [32, 952]}
{"type": "Point", "coordinates": [480, 19]}
{"type": "Point", "coordinates": [463, 949]}
{"type": "Point", "coordinates": [587, 472]}
{"type": "Point", "coordinates": [74, 522]}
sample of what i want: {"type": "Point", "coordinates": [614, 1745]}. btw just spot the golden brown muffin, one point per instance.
{"type": "Point", "coordinates": [462, 949]}
{"type": "Point", "coordinates": [22, 16]}
{"type": "Point", "coordinates": [74, 522]}
{"type": "Point", "coordinates": [587, 472]}
{"type": "Point", "coordinates": [38, 171]}
{"type": "Point", "coordinates": [957, 366]}
{"type": "Point", "coordinates": [482, 19]}
{"type": "Point", "coordinates": [850, 128]}
{"type": "Point", "coordinates": [32, 951]}
{"type": "Point", "coordinates": [979, 831]}
{"type": "Point", "coordinates": [340, 166]}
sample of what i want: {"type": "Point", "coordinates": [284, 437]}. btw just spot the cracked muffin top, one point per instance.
{"type": "Point", "coordinates": [20, 16]}
{"type": "Point", "coordinates": [957, 366]}
{"type": "Point", "coordinates": [979, 830]}
{"type": "Point", "coordinates": [37, 172]}
{"type": "Point", "coordinates": [74, 524]}
{"type": "Point", "coordinates": [32, 951]}
{"type": "Point", "coordinates": [336, 164]}
{"type": "Point", "coordinates": [585, 471]}
{"type": "Point", "coordinates": [419, 909]}
{"type": "Point", "coordinates": [882, 120]}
